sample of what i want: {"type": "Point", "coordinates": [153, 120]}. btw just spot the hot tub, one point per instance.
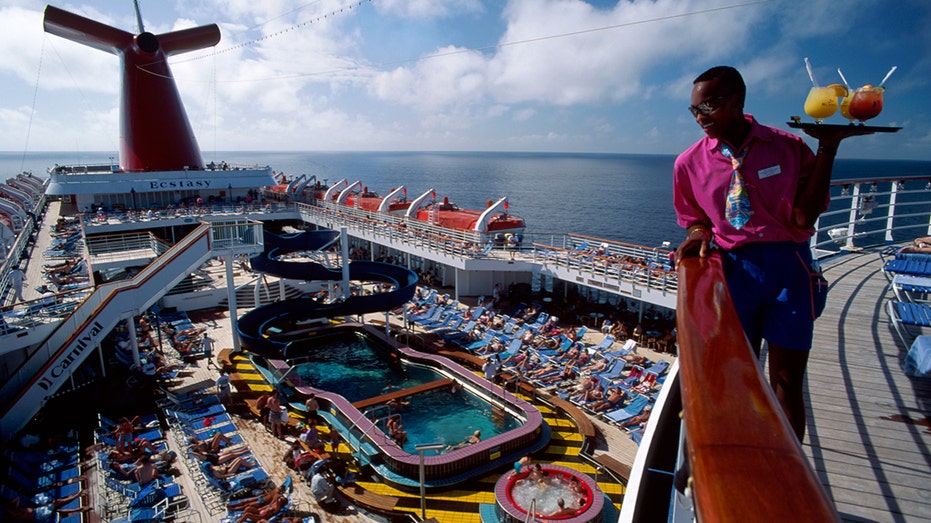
{"type": "Point", "coordinates": [514, 493]}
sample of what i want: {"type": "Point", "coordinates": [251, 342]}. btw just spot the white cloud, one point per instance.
{"type": "Point", "coordinates": [456, 79]}
{"type": "Point", "coordinates": [448, 74]}
{"type": "Point", "coordinates": [428, 8]}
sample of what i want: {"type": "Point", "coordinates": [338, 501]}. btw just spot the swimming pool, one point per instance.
{"type": "Point", "coordinates": [358, 368]}
{"type": "Point", "coordinates": [353, 366]}
{"type": "Point", "coordinates": [342, 390]}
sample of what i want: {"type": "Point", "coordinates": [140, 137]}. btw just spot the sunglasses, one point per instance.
{"type": "Point", "coordinates": [707, 107]}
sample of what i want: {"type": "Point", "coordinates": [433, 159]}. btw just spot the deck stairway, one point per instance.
{"type": "Point", "coordinates": [258, 293]}
{"type": "Point", "coordinates": [75, 338]}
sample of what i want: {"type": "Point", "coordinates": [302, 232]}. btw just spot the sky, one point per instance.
{"type": "Point", "coordinates": [593, 76]}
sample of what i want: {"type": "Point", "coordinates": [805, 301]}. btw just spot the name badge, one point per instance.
{"type": "Point", "coordinates": [769, 171]}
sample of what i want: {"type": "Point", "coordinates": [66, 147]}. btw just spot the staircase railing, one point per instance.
{"type": "Point", "coordinates": [75, 339]}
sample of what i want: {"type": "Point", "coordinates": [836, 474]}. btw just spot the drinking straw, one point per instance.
{"type": "Point", "coordinates": [888, 75]}
{"type": "Point", "coordinates": [847, 85]}
{"type": "Point", "coordinates": [811, 72]}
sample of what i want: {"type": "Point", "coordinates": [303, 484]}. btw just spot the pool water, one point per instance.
{"type": "Point", "coordinates": [356, 369]}
{"type": "Point", "coordinates": [441, 417]}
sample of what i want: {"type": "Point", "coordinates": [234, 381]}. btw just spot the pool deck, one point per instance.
{"type": "Point", "coordinates": [608, 442]}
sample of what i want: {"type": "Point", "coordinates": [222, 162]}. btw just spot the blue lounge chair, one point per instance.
{"type": "Point", "coordinates": [192, 415]}
{"type": "Point", "coordinates": [905, 313]}
{"type": "Point", "coordinates": [908, 263]}
{"type": "Point", "coordinates": [604, 344]}
{"type": "Point", "coordinates": [486, 339]}
{"type": "Point", "coordinates": [634, 408]}
{"type": "Point", "coordinates": [460, 332]}
{"type": "Point", "coordinates": [909, 287]}
{"type": "Point", "coordinates": [659, 368]}
{"type": "Point", "coordinates": [613, 372]}
{"type": "Point", "coordinates": [446, 317]}
{"type": "Point", "coordinates": [425, 315]}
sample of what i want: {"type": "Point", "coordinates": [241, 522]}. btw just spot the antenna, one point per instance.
{"type": "Point", "coordinates": [138, 16]}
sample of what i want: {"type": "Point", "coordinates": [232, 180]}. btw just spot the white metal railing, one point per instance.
{"type": "Point", "coordinates": [113, 302]}
{"type": "Point", "coordinates": [236, 235]}
{"type": "Point", "coordinates": [17, 251]}
{"type": "Point", "coordinates": [112, 243]}
{"type": "Point", "coordinates": [103, 218]}
{"type": "Point", "coordinates": [874, 211]}
{"type": "Point", "coordinates": [40, 311]}
{"type": "Point", "coordinates": [112, 168]}
{"type": "Point", "coordinates": [622, 262]}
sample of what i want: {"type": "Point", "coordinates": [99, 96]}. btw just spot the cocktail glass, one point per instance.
{"type": "Point", "coordinates": [822, 101]}
{"type": "Point", "coordinates": [866, 102]}
{"type": "Point", "coordinates": [845, 107]}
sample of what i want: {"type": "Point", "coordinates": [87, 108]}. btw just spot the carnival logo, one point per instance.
{"type": "Point", "coordinates": [70, 357]}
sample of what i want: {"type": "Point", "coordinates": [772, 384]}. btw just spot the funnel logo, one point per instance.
{"type": "Point", "coordinates": [70, 357]}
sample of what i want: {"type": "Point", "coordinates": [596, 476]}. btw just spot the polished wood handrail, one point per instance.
{"type": "Point", "coordinates": [746, 463]}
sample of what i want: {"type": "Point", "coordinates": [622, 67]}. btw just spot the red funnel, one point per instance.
{"type": "Point", "coordinates": [155, 134]}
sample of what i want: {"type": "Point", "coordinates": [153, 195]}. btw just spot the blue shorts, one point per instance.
{"type": "Point", "coordinates": [778, 292]}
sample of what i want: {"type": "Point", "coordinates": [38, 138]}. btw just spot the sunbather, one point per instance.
{"type": "Point", "coordinates": [614, 400]}
{"type": "Point", "coordinates": [567, 373]}
{"type": "Point", "coordinates": [542, 371]}
{"type": "Point", "coordinates": [922, 244]}
{"type": "Point", "coordinates": [258, 501]}
{"type": "Point", "coordinates": [146, 471]}
{"type": "Point", "coordinates": [636, 420]}
{"type": "Point", "coordinates": [634, 359]}
{"type": "Point", "coordinates": [138, 447]}
{"type": "Point", "coordinates": [223, 456]}
{"type": "Point", "coordinates": [230, 469]}
{"type": "Point", "coordinates": [263, 512]}
{"type": "Point", "coordinates": [214, 444]}
{"type": "Point", "coordinates": [595, 366]}
{"type": "Point", "coordinates": [595, 395]}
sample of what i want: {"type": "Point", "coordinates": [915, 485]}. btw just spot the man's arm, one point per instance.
{"type": "Point", "coordinates": [811, 197]}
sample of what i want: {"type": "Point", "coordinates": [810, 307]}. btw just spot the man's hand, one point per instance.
{"type": "Point", "coordinates": [698, 241]}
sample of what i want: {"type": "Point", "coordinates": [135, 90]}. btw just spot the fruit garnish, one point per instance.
{"type": "Point", "coordinates": [839, 89]}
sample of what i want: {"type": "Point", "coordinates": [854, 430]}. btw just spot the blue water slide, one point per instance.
{"type": "Point", "coordinates": [265, 329]}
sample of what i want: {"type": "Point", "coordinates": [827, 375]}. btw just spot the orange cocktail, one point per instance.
{"type": "Point", "coordinates": [822, 101]}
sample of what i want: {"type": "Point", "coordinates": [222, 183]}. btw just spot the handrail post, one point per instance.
{"type": "Point", "coordinates": [854, 205]}
{"type": "Point", "coordinates": [890, 212]}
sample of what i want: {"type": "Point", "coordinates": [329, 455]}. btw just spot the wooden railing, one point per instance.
{"type": "Point", "coordinates": [746, 463]}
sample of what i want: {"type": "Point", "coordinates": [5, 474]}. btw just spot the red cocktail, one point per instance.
{"type": "Point", "coordinates": [866, 102]}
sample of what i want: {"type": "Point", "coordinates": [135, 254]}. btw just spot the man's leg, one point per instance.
{"type": "Point", "coordinates": [786, 376]}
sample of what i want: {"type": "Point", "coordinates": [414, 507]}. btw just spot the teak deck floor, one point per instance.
{"type": "Point", "coordinates": [868, 427]}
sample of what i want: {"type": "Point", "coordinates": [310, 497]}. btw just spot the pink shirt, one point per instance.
{"type": "Point", "coordinates": [775, 166]}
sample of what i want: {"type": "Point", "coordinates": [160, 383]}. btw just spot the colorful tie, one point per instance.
{"type": "Point", "coordinates": [737, 206]}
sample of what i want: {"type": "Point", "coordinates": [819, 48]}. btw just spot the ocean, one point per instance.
{"type": "Point", "coordinates": [620, 197]}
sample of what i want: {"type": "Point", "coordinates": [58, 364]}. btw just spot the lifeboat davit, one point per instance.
{"type": "Point", "coordinates": [395, 202]}
{"type": "Point", "coordinates": [493, 219]}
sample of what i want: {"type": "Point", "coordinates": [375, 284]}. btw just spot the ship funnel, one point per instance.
{"type": "Point", "coordinates": [155, 134]}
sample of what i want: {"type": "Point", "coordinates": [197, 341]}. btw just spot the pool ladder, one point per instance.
{"type": "Point", "coordinates": [361, 438]}
{"type": "Point", "coordinates": [533, 508]}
